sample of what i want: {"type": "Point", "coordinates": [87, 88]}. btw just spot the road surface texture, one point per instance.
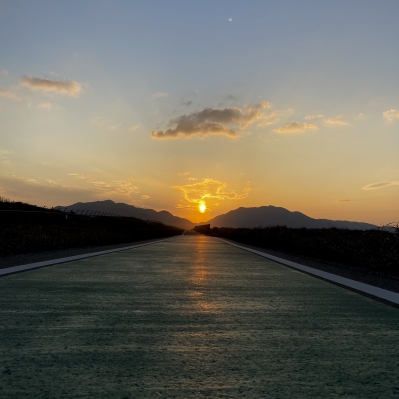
{"type": "Point", "coordinates": [191, 317]}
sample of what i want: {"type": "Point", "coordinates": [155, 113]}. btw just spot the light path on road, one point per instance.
{"type": "Point", "coordinates": [191, 317]}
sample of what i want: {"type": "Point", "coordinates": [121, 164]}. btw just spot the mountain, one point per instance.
{"type": "Point", "coordinates": [272, 216]}
{"type": "Point", "coordinates": [131, 211]}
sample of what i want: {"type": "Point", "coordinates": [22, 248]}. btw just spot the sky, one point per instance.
{"type": "Point", "coordinates": [209, 106]}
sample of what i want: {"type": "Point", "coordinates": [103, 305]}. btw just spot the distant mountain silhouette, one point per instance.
{"type": "Point", "coordinates": [272, 216]}
{"type": "Point", "coordinates": [131, 211]}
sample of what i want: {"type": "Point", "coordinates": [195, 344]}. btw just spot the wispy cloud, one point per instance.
{"type": "Point", "coordinates": [295, 127]}
{"type": "Point", "coordinates": [311, 117]}
{"type": "Point", "coordinates": [104, 124]}
{"type": "Point", "coordinates": [391, 115]}
{"type": "Point", "coordinates": [144, 197]}
{"type": "Point", "coordinates": [45, 105]}
{"type": "Point", "coordinates": [335, 122]}
{"type": "Point", "coordinates": [34, 192]}
{"type": "Point", "coordinates": [376, 186]}
{"type": "Point", "coordinates": [212, 121]}
{"type": "Point", "coordinates": [133, 128]}
{"type": "Point", "coordinates": [78, 175]}
{"type": "Point", "coordinates": [25, 179]}
{"type": "Point", "coordinates": [160, 94]}
{"type": "Point", "coordinates": [4, 157]}
{"type": "Point", "coordinates": [4, 72]}
{"type": "Point", "coordinates": [184, 173]}
{"type": "Point", "coordinates": [119, 187]}
{"type": "Point", "coordinates": [9, 94]}
{"type": "Point", "coordinates": [67, 87]}
{"type": "Point", "coordinates": [197, 193]}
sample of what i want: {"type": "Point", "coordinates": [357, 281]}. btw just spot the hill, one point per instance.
{"type": "Point", "coordinates": [131, 211]}
{"type": "Point", "coordinates": [276, 216]}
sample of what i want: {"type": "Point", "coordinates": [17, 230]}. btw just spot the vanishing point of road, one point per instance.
{"type": "Point", "coordinates": [191, 317]}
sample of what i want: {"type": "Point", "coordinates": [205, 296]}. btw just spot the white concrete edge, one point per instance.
{"type": "Point", "coordinates": [346, 282]}
{"type": "Point", "coordinates": [36, 265]}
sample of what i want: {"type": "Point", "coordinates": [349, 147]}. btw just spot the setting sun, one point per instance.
{"type": "Point", "coordinates": [202, 207]}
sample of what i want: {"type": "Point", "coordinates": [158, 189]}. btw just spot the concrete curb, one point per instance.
{"type": "Point", "coordinates": [37, 265]}
{"type": "Point", "coordinates": [380, 293]}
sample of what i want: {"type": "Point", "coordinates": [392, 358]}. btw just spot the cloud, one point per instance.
{"type": "Point", "coordinates": [4, 72]}
{"type": "Point", "coordinates": [211, 121]}
{"type": "Point", "coordinates": [184, 173]}
{"type": "Point", "coordinates": [26, 179]}
{"type": "Point", "coordinates": [45, 105]}
{"type": "Point", "coordinates": [188, 129]}
{"type": "Point", "coordinates": [9, 94]}
{"type": "Point", "coordinates": [187, 103]}
{"type": "Point", "coordinates": [119, 187]}
{"type": "Point", "coordinates": [391, 115]}
{"type": "Point", "coordinates": [102, 123]}
{"type": "Point", "coordinates": [335, 122]}
{"type": "Point", "coordinates": [144, 197]}
{"type": "Point", "coordinates": [68, 87]}
{"type": "Point", "coordinates": [77, 175]}
{"type": "Point", "coordinates": [50, 193]}
{"type": "Point", "coordinates": [263, 105]}
{"type": "Point", "coordinates": [295, 127]}
{"type": "Point", "coordinates": [133, 128]}
{"type": "Point", "coordinates": [4, 157]}
{"type": "Point", "coordinates": [376, 186]}
{"type": "Point", "coordinates": [160, 94]}
{"type": "Point", "coordinates": [197, 193]}
{"type": "Point", "coordinates": [192, 178]}
{"type": "Point", "coordinates": [311, 117]}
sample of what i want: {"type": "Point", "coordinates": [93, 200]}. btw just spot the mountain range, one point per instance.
{"type": "Point", "coordinates": [241, 217]}
{"type": "Point", "coordinates": [271, 216]}
{"type": "Point", "coordinates": [122, 209]}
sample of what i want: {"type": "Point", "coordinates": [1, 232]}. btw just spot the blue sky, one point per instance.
{"type": "Point", "coordinates": [328, 71]}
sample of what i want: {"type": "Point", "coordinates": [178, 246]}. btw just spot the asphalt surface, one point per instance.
{"type": "Point", "coordinates": [192, 317]}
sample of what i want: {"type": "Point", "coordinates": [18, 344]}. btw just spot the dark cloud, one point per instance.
{"type": "Point", "coordinates": [188, 129]}
{"type": "Point", "coordinates": [211, 121]}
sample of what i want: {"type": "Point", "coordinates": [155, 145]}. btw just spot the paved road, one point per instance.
{"type": "Point", "coordinates": [189, 318]}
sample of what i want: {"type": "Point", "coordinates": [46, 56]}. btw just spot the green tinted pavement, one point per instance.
{"type": "Point", "coordinates": [191, 317]}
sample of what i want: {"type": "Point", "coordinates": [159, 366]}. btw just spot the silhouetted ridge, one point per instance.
{"type": "Point", "coordinates": [277, 216]}
{"type": "Point", "coordinates": [132, 211]}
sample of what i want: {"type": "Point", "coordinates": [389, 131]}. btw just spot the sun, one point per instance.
{"type": "Point", "coordinates": [202, 207]}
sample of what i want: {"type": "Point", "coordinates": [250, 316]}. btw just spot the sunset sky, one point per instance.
{"type": "Point", "coordinates": [176, 104]}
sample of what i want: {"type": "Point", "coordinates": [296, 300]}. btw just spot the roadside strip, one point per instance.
{"type": "Point", "coordinates": [367, 289]}
{"type": "Point", "coordinates": [36, 265]}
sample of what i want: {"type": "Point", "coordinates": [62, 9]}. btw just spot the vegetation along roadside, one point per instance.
{"type": "Point", "coordinates": [26, 228]}
{"type": "Point", "coordinates": [376, 251]}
